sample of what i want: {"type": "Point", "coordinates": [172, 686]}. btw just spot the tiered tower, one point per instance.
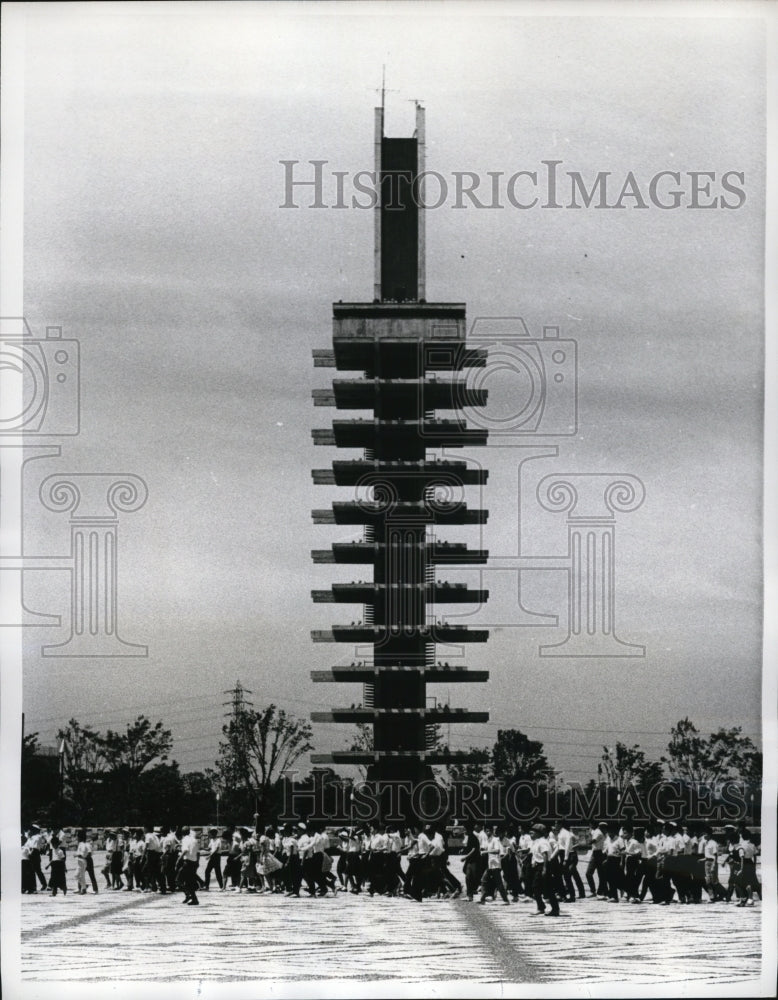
{"type": "Point", "coordinates": [410, 355]}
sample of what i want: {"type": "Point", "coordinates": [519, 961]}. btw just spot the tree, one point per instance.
{"type": "Point", "coordinates": [200, 794]}
{"type": "Point", "coordinates": [476, 770]}
{"type": "Point", "coordinates": [362, 743]}
{"type": "Point", "coordinates": [622, 766]}
{"type": "Point", "coordinates": [515, 757]}
{"type": "Point", "coordinates": [160, 795]}
{"type": "Point", "coordinates": [258, 747]}
{"type": "Point", "coordinates": [84, 766]}
{"type": "Point", "coordinates": [128, 754]}
{"type": "Point", "coordinates": [40, 780]}
{"type": "Point", "coordinates": [726, 755]}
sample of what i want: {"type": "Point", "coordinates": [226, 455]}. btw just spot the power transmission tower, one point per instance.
{"type": "Point", "coordinates": [239, 706]}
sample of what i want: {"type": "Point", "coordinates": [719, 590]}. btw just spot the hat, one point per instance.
{"type": "Point", "coordinates": [301, 826]}
{"type": "Point", "coordinates": [538, 828]}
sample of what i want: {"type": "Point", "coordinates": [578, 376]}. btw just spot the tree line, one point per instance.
{"type": "Point", "coordinates": [127, 777]}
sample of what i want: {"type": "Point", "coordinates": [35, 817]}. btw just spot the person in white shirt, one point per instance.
{"type": "Point", "coordinates": [153, 854]}
{"type": "Point", "coordinates": [82, 852]}
{"type": "Point", "coordinates": [615, 848]}
{"type": "Point", "coordinates": [322, 862]}
{"type": "Point", "coordinates": [681, 864]}
{"type": "Point", "coordinates": [510, 865]}
{"type": "Point", "coordinates": [492, 882]}
{"type": "Point", "coordinates": [34, 857]}
{"type": "Point", "coordinates": [596, 860]}
{"type": "Point", "coordinates": [190, 859]}
{"type": "Point", "coordinates": [57, 878]}
{"type": "Point", "coordinates": [568, 860]}
{"type": "Point", "coordinates": [171, 848]}
{"type": "Point", "coordinates": [293, 869]}
{"type": "Point", "coordinates": [695, 863]}
{"type": "Point", "coordinates": [354, 861]}
{"type": "Point", "coordinates": [421, 874]}
{"type": "Point", "coordinates": [711, 856]}
{"type": "Point", "coordinates": [649, 881]}
{"type": "Point", "coordinates": [633, 864]}
{"type": "Point", "coordinates": [745, 878]}
{"type": "Point", "coordinates": [110, 847]}
{"type": "Point", "coordinates": [483, 841]}
{"type": "Point", "coordinates": [524, 849]}
{"type": "Point", "coordinates": [395, 877]}
{"type": "Point", "coordinates": [214, 858]}
{"type": "Point", "coordinates": [436, 851]}
{"type": "Point", "coordinates": [135, 866]}
{"type": "Point", "coordinates": [379, 856]}
{"type": "Point", "coordinates": [664, 864]}
{"type": "Point", "coordinates": [541, 883]}
{"type": "Point", "coordinates": [471, 862]}
{"type": "Point", "coordinates": [411, 851]}
{"type": "Point", "coordinates": [28, 877]}
{"type": "Point", "coordinates": [305, 848]}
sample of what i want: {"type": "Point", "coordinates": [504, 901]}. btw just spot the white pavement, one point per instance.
{"type": "Point", "coordinates": [231, 937]}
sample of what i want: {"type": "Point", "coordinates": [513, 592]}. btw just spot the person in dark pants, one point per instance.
{"type": "Point", "coordinates": [596, 860]}
{"type": "Point", "coordinates": [292, 871]}
{"type": "Point", "coordinates": [28, 876]}
{"type": "Point", "coordinates": [395, 877]}
{"type": "Point", "coordinates": [510, 865]}
{"type": "Point", "coordinates": [214, 858]}
{"type": "Point", "coordinates": [117, 860]}
{"type": "Point", "coordinates": [57, 867]}
{"type": "Point", "coordinates": [90, 866]}
{"type": "Point", "coordinates": [524, 857]}
{"type": "Point", "coordinates": [492, 882]}
{"type": "Point", "coordinates": [38, 844]}
{"type": "Point", "coordinates": [633, 864]}
{"type": "Point", "coordinates": [190, 857]}
{"type": "Point", "coordinates": [613, 867]}
{"type": "Point", "coordinates": [568, 862]}
{"type": "Point", "coordinates": [472, 861]}
{"type": "Point", "coordinates": [542, 877]}
{"type": "Point", "coordinates": [153, 854]}
{"type": "Point", "coordinates": [651, 848]}
{"type": "Point", "coordinates": [411, 848]}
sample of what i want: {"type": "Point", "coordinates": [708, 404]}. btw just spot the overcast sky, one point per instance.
{"type": "Point", "coordinates": [153, 234]}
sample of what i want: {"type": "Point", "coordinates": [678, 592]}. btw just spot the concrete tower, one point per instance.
{"type": "Point", "coordinates": [411, 359]}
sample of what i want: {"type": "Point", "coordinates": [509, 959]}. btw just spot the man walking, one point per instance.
{"type": "Point", "coordinates": [596, 860]}
{"type": "Point", "coordinates": [541, 877]}
{"type": "Point", "coordinates": [214, 858]}
{"type": "Point", "coordinates": [190, 858]}
{"type": "Point", "coordinates": [492, 882]}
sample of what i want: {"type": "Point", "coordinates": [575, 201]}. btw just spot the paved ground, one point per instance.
{"type": "Point", "coordinates": [231, 937]}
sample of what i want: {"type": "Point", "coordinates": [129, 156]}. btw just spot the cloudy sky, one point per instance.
{"type": "Point", "coordinates": [153, 234]}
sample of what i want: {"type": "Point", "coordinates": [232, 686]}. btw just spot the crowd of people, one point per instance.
{"type": "Point", "coordinates": [537, 863]}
